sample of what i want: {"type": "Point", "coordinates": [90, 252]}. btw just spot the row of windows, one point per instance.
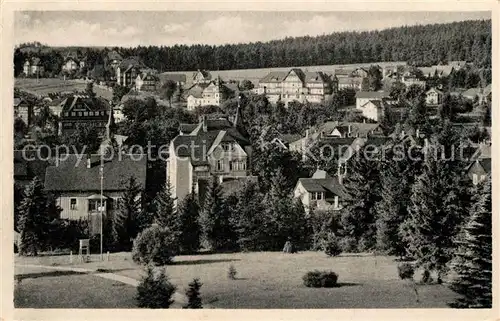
{"type": "Point", "coordinates": [233, 165]}
{"type": "Point", "coordinates": [92, 205]}
{"type": "Point", "coordinates": [87, 113]}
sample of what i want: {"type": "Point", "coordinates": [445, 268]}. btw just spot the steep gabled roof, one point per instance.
{"type": "Point", "coordinates": [131, 62]}
{"type": "Point", "coordinates": [113, 55]}
{"type": "Point", "coordinates": [274, 76]}
{"type": "Point", "coordinates": [72, 175]}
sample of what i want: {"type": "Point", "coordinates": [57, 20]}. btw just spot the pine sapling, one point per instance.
{"type": "Point", "coordinates": [193, 294]}
{"type": "Point", "coordinates": [231, 274]}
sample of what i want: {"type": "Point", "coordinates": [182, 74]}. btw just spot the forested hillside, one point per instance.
{"type": "Point", "coordinates": [420, 45]}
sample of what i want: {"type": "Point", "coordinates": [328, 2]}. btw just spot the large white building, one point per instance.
{"type": "Point", "coordinates": [296, 85]}
{"type": "Point", "coordinates": [214, 147]}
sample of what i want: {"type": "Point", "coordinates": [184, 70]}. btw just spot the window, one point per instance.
{"type": "Point", "coordinates": [72, 204]}
{"type": "Point", "coordinates": [226, 147]}
{"type": "Point", "coordinates": [316, 196]}
{"type": "Point", "coordinates": [73, 113]}
{"type": "Point", "coordinates": [85, 113]}
{"type": "Point", "coordinates": [220, 165]}
{"type": "Point", "coordinates": [475, 180]}
{"type": "Point", "coordinates": [93, 206]}
{"type": "Point", "coordinates": [237, 165]}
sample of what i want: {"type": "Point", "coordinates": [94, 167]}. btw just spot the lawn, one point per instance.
{"type": "Point", "coordinates": [40, 288]}
{"type": "Point", "coordinates": [274, 280]}
{"type": "Point", "coordinates": [44, 86]}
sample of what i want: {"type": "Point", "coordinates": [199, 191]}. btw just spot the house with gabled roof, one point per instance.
{"type": "Point", "coordinates": [77, 109]}
{"type": "Point", "coordinates": [205, 94]}
{"type": "Point", "coordinates": [128, 70]}
{"type": "Point", "coordinates": [434, 96]}
{"type": "Point", "coordinates": [33, 67]}
{"type": "Point", "coordinates": [146, 81]}
{"type": "Point", "coordinates": [76, 182]}
{"type": "Point", "coordinates": [215, 147]}
{"type": "Point", "coordinates": [202, 77]}
{"type": "Point", "coordinates": [71, 64]}
{"type": "Point", "coordinates": [178, 79]}
{"type": "Point", "coordinates": [114, 59]}
{"type": "Point", "coordinates": [321, 191]}
{"type": "Point", "coordinates": [296, 85]}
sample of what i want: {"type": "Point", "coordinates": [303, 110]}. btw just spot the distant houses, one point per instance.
{"type": "Point", "coordinates": [33, 67]}
{"type": "Point", "coordinates": [128, 70]}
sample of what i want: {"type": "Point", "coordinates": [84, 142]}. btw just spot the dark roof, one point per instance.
{"type": "Point", "coordinates": [372, 94]}
{"type": "Point", "coordinates": [113, 55]}
{"type": "Point", "coordinates": [187, 128]}
{"type": "Point", "coordinates": [331, 185]}
{"type": "Point", "coordinates": [289, 138]}
{"type": "Point", "coordinates": [26, 168]}
{"type": "Point", "coordinates": [196, 90]}
{"type": "Point", "coordinates": [131, 62]}
{"type": "Point", "coordinates": [164, 77]}
{"type": "Point", "coordinates": [228, 186]}
{"type": "Point", "coordinates": [315, 77]}
{"type": "Point", "coordinates": [358, 129]}
{"type": "Point", "coordinates": [274, 76]}
{"type": "Point", "coordinates": [71, 175]}
{"type": "Point", "coordinates": [94, 104]}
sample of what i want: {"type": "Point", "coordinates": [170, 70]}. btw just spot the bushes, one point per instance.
{"type": "Point", "coordinates": [155, 291]}
{"type": "Point", "coordinates": [331, 245]}
{"type": "Point", "coordinates": [154, 245]}
{"type": "Point", "coordinates": [348, 244]}
{"type": "Point", "coordinates": [406, 271]}
{"type": "Point", "coordinates": [320, 279]}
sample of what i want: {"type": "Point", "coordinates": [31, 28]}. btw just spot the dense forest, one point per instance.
{"type": "Point", "coordinates": [419, 45]}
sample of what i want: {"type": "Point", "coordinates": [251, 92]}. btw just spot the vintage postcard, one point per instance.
{"type": "Point", "coordinates": [249, 160]}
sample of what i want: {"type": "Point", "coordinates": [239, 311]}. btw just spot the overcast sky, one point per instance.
{"type": "Point", "coordinates": [132, 28]}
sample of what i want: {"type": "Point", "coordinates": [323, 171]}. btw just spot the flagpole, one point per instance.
{"type": "Point", "coordinates": [101, 170]}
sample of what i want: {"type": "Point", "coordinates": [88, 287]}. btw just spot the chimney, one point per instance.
{"type": "Point", "coordinates": [204, 122]}
{"type": "Point", "coordinates": [89, 162]}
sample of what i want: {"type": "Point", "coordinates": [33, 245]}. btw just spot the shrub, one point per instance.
{"type": "Point", "coordinates": [331, 245]}
{"type": "Point", "coordinates": [193, 294]}
{"type": "Point", "coordinates": [231, 273]}
{"type": "Point", "coordinates": [406, 271]}
{"type": "Point", "coordinates": [155, 291]}
{"type": "Point", "coordinates": [154, 245]}
{"type": "Point", "coordinates": [348, 244]}
{"type": "Point", "coordinates": [320, 279]}
{"type": "Point", "coordinates": [426, 277]}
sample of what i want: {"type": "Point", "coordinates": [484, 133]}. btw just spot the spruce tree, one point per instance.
{"type": "Point", "coordinates": [358, 217]}
{"type": "Point", "coordinates": [33, 222]}
{"type": "Point", "coordinates": [193, 294]}
{"type": "Point", "coordinates": [391, 209]}
{"type": "Point", "coordinates": [165, 215]}
{"type": "Point", "coordinates": [125, 225]}
{"type": "Point", "coordinates": [213, 223]}
{"type": "Point", "coordinates": [472, 261]}
{"type": "Point", "coordinates": [434, 215]}
{"type": "Point", "coordinates": [189, 213]}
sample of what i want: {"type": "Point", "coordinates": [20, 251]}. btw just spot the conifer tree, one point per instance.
{"type": "Point", "coordinates": [214, 224]}
{"type": "Point", "coordinates": [189, 214]}
{"type": "Point", "coordinates": [164, 212]}
{"type": "Point", "coordinates": [472, 261]}
{"type": "Point", "coordinates": [125, 225]}
{"type": "Point", "coordinates": [359, 216]}
{"type": "Point", "coordinates": [434, 215]}
{"type": "Point", "coordinates": [34, 218]}
{"type": "Point", "coordinates": [193, 294]}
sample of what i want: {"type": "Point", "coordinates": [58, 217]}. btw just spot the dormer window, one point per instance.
{"type": "Point", "coordinates": [226, 147]}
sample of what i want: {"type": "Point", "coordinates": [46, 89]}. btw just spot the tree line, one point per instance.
{"type": "Point", "coordinates": [419, 45]}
